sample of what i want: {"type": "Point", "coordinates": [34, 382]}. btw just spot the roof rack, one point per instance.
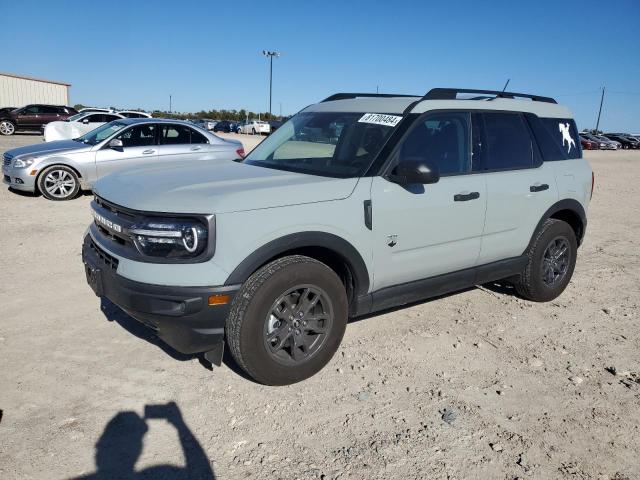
{"type": "Point", "coordinates": [451, 94]}
{"type": "Point", "coordinates": [346, 96]}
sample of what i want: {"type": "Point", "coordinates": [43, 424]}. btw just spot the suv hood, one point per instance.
{"type": "Point", "coordinates": [219, 188]}
{"type": "Point", "coordinates": [48, 148]}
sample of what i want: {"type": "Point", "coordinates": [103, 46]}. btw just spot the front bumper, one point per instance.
{"type": "Point", "coordinates": [18, 178]}
{"type": "Point", "coordinates": [180, 316]}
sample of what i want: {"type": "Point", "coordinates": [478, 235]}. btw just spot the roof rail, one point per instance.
{"type": "Point", "coordinates": [451, 93]}
{"type": "Point", "coordinates": [346, 96]}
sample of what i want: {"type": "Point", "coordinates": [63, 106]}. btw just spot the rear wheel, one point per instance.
{"type": "Point", "coordinates": [287, 320]}
{"type": "Point", "coordinates": [7, 127]}
{"type": "Point", "coordinates": [59, 182]}
{"type": "Point", "coordinates": [552, 259]}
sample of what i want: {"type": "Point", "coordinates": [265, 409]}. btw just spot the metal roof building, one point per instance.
{"type": "Point", "coordinates": [18, 90]}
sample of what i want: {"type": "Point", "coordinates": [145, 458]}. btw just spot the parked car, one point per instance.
{"type": "Point", "coordinates": [226, 126]}
{"type": "Point", "coordinates": [625, 141]}
{"type": "Point", "coordinates": [95, 109]}
{"type": "Point", "coordinates": [343, 212]}
{"type": "Point", "coordinates": [205, 123]}
{"type": "Point", "coordinates": [133, 114]}
{"type": "Point", "coordinates": [254, 127]}
{"type": "Point", "coordinates": [33, 117]}
{"type": "Point", "coordinates": [60, 169]}
{"type": "Point", "coordinates": [77, 125]}
{"type": "Point", "coordinates": [589, 144]}
{"type": "Point", "coordinates": [603, 142]}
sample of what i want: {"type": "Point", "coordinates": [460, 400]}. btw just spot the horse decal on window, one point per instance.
{"type": "Point", "coordinates": [566, 136]}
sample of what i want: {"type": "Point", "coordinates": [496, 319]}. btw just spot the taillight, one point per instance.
{"type": "Point", "coordinates": [593, 182]}
{"type": "Point", "coordinates": [240, 152]}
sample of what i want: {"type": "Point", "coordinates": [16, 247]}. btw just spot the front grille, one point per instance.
{"type": "Point", "coordinates": [119, 216]}
{"type": "Point", "coordinates": [7, 159]}
{"type": "Point", "coordinates": [107, 259]}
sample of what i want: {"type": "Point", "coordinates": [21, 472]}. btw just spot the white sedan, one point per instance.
{"type": "Point", "coordinates": [77, 125]}
{"type": "Point", "coordinates": [255, 127]}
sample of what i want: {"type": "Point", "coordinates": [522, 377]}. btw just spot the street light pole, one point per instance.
{"type": "Point", "coordinates": [270, 54]}
{"type": "Point", "coordinates": [600, 111]}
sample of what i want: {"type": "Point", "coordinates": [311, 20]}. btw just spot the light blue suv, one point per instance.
{"type": "Point", "coordinates": [359, 203]}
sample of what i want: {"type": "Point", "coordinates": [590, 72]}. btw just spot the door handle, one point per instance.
{"type": "Point", "coordinates": [465, 197]}
{"type": "Point", "coordinates": [538, 187]}
{"type": "Point", "coordinates": [193, 149]}
{"type": "Point", "coordinates": [148, 152]}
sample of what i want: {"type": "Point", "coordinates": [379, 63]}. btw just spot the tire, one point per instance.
{"type": "Point", "coordinates": [7, 127]}
{"type": "Point", "coordinates": [58, 183]}
{"type": "Point", "coordinates": [548, 273]}
{"type": "Point", "coordinates": [266, 314]}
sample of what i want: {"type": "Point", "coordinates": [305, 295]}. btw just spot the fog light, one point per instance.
{"type": "Point", "coordinates": [19, 181]}
{"type": "Point", "coordinates": [219, 299]}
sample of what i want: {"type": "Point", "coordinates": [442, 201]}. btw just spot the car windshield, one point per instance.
{"type": "Point", "coordinates": [331, 144]}
{"type": "Point", "coordinates": [99, 134]}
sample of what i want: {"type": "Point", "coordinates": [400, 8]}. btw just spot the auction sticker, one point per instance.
{"type": "Point", "coordinates": [380, 119]}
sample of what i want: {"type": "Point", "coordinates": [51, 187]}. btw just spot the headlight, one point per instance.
{"type": "Point", "coordinates": [23, 162]}
{"type": "Point", "coordinates": [170, 238]}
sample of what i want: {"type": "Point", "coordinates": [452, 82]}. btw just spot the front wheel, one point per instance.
{"type": "Point", "coordinates": [7, 127]}
{"type": "Point", "coordinates": [552, 259]}
{"type": "Point", "coordinates": [58, 182]}
{"type": "Point", "coordinates": [287, 320]}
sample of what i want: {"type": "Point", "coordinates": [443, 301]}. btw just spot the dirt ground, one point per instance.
{"type": "Point", "coordinates": [478, 384]}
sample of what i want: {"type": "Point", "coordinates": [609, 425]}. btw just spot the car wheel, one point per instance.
{"type": "Point", "coordinates": [552, 258]}
{"type": "Point", "coordinates": [7, 127]}
{"type": "Point", "coordinates": [287, 320]}
{"type": "Point", "coordinates": [58, 182]}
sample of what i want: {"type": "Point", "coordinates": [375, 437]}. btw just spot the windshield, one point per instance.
{"type": "Point", "coordinates": [332, 144]}
{"type": "Point", "coordinates": [99, 134]}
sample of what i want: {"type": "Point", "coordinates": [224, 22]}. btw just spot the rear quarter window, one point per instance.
{"type": "Point", "coordinates": [557, 138]}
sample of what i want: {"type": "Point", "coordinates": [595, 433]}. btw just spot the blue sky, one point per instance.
{"type": "Point", "coordinates": [208, 54]}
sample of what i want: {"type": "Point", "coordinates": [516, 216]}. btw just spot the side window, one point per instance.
{"type": "Point", "coordinates": [180, 135]}
{"type": "Point", "coordinates": [49, 110]}
{"type": "Point", "coordinates": [97, 118]}
{"type": "Point", "coordinates": [564, 133]}
{"type": "Point", "coordinates": [32, 110]}
{"type": "Point", "coordinates": [109, 118]}
{"type": "Point", "coordinates": [138, 136]}
{"type": "Point", "coordinates": [441, 139]}
{"type": "Point", "coordinates": [508, 142]}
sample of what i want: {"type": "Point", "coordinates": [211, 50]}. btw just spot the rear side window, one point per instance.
{"type": "Point", "coordinates": [441, 139]}
{"type": "Point", "coordinates": [507, 142]}
{"type": "Point", "coordinates": [558, 138]}
{"type": "Point", "coordinates": [180, 135]}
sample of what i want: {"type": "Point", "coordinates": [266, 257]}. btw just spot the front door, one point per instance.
{"type": "Point", "coordinates": [138, 149]}
{"type": "Point", "coordinates": [421, 231]}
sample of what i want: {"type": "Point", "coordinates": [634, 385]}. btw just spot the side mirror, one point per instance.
{"type": "Point", "coordinates": [116, 144]}
{"type": "Point", "coordinates": [416, 172]}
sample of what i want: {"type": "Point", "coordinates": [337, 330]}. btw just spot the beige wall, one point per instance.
{"type": "Point", "coordinates": [17, 92]}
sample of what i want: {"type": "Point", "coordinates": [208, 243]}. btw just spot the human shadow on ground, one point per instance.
{"type": "Point", "coordinates": [121, 443]}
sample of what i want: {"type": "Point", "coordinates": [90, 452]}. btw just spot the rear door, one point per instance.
{"type": "Point", "coordinates": [420, 231]}
{"type": "Point", "coordinates": [180, 142]}
{"type": "Point", "coordinates": [139, 149]}
{"type": "Point", "coordinates": [520, 187]}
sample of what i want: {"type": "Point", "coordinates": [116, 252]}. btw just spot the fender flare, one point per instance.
{"type": "Point", "coordinates": [295, 241]}
{"type": "Point", "coordinates": [566, 204]}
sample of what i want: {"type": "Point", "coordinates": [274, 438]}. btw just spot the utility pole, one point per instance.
{"type": "Point", "coordinates": [169, 103]}
{"type": "Point", "coordinates": [270, 55]}
{"type": "Point", "coordinates": [600, 110]}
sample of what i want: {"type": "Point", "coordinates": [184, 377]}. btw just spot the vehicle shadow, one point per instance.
{"type": "Point", "coordinates": [22, 193]}
{"type": "Point", "coordinates": [113, 313]}
{"type": "Point", "coordinates": [122, 441]}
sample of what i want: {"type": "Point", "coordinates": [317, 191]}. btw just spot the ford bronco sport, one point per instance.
{"type": "Point", "coordinates": [359, 203]}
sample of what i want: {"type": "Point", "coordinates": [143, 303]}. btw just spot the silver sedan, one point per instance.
{"type": "Point", "coordinates": [59, 170]}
